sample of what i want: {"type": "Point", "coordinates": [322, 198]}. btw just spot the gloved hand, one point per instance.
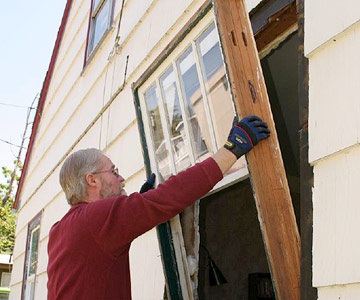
{"type": "Point", "coordinates": [149, 184]}
{"type": "Point", "coordinates": [244, 135]}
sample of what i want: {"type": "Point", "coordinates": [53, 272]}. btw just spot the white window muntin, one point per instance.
{"type": "Point", "coordinates": [190, 41]}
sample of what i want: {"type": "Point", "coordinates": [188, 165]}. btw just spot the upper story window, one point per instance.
{"type": "Point", "coordinates": [187, 103]}
{"type": "Point", "coordinates": [100, 23]}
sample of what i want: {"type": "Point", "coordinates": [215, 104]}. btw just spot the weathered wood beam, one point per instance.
{"type": "Point", "coordinates": [267, 173]}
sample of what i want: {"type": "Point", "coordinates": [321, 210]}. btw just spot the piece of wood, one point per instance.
{"type": "Point", "coordinates": [276, 26]}
{"type": "Point", "coordinates": [267, 173]}
{"type": "Point", "coordinates": [308, 292]}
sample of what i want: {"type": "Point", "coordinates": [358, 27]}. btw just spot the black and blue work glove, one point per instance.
{"type": "Point", "coordinates": [149, 184]}
{"type": "Point", "coordinates": [244, 135]}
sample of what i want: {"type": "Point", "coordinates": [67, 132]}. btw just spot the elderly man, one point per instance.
{"type": "Point", "coordinates": [89, 247]}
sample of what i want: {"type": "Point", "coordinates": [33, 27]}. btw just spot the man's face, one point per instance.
{"type": "Point", "coordinates": [112, 183]}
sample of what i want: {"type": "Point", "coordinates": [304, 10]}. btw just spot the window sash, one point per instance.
{"type": "Point", "coordinates": [100, 23]}
{"type": "Point", "coordinates": [190, 81]}
{"type": "Point", "coordinates": [30, 268]}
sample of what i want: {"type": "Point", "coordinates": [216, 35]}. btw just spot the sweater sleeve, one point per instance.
{"type": "Point", "coordinates": [115, 222]}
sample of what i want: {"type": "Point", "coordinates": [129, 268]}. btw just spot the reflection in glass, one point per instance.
{"type": "Point", "coordinates": [161, 153]}
{"type": "Point", "coordinates": [216, 85]}
{"type": "Point", "coordinates": [100, 25]}
{"type": "Point", "coordinates": [33, 251]}
{"type": "Point", "coordinates": [175, 120]}
{"type": "Point", "coordinates": [194, 103]}
{"type": "Point", "coordinates": [218, 95]}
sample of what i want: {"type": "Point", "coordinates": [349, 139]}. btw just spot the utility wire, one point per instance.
{"type": "Point", "coordinates": [17, 162]}
{"type": "Point", "coordinates": [11, 144]}
{"type": "Point", "coordinates": [117, 37]}
{"type": "Point", "coordinates": [15, 105]}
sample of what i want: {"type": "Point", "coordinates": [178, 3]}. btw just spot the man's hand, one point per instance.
{"type": "Point", "coordinates": [149, 184]}
{"type": "Point", "coordinates": [244, 135]}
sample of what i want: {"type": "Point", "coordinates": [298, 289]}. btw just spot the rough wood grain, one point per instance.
{"type": "Point", "coordinates": [267, 174]}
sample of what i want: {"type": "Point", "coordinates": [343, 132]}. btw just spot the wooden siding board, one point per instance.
{"type": "Point", "coordinates": [334, 95]}
{"type": "Point", "coordinates": [325, 20]}
{"type": "Point", "coordinates": [336, 219]}
{"type": "Point", "coordinates": [271, 192]}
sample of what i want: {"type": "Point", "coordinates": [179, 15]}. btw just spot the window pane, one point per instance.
{"type": "Point", "coordinates": [161, 152]}
{"type": "Point", "coordinates": [220, 104]}
{"type": "Point", "coordinates": [33, 254]}
{"type": "Point", "coordinates": [175, 120]}
{"type": "Point", "coordinates": [217, 89]}
{"type": "Point", "coordinates": [199, 128]}
{"type": "Point", "coordinates": [100, 24]}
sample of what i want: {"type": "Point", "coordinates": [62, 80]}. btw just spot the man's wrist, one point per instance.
{"type": "Point", "coordinates": [225, 159]}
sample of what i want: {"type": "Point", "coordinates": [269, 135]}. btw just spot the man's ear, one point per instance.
{"type": "Point", "coordinates": [91, 179]}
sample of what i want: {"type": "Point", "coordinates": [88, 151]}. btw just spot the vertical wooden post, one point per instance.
{"type": "Point", "coordinates": [267, 173]}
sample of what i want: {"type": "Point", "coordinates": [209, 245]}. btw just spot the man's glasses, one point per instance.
{"type": "Point", "coordinates": [113, 170]}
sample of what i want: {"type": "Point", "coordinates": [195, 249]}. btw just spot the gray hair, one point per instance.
{"type": "Point", "coordinates": [73, 172]}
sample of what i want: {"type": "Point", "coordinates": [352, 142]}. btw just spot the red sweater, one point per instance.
{"type": "Point", "coordinates": [89, 247]}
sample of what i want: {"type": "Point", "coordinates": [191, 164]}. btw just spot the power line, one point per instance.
{"type": "Point", "coordinates": [13, 175]}
{"type": "Point", "coordinates": [7, 142]}
{"type": "Point", "coordinates": [15, 105]}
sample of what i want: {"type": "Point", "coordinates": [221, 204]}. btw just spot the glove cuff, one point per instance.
{"type": "Point", "coordinates": [236, 150]}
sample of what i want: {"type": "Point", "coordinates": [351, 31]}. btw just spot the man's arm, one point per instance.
{"type": "Point", "coordinates": [225, 159]}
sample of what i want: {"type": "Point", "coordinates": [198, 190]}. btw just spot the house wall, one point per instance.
{"type": "Point", "coordinates": [332, 40]}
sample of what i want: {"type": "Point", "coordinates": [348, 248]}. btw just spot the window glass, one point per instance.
{"type": "Point", "coordinates": [29, 278]}
{"type": "Point", "coordinates": [161, 151]}
{"type": "Point", "coordinates": [99, 23]}
{"type": "Point", "coordinates": [193, 103]}
{"type": "Point", "coordinates": [33, 252]}
{"type": "Point", "coordinates": [174, 116]}
{"type": "Point", "coordinates": [216, 85]}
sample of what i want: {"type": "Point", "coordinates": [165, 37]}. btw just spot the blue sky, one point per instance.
{"type": "Point", "coordinates": [28, 31]}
